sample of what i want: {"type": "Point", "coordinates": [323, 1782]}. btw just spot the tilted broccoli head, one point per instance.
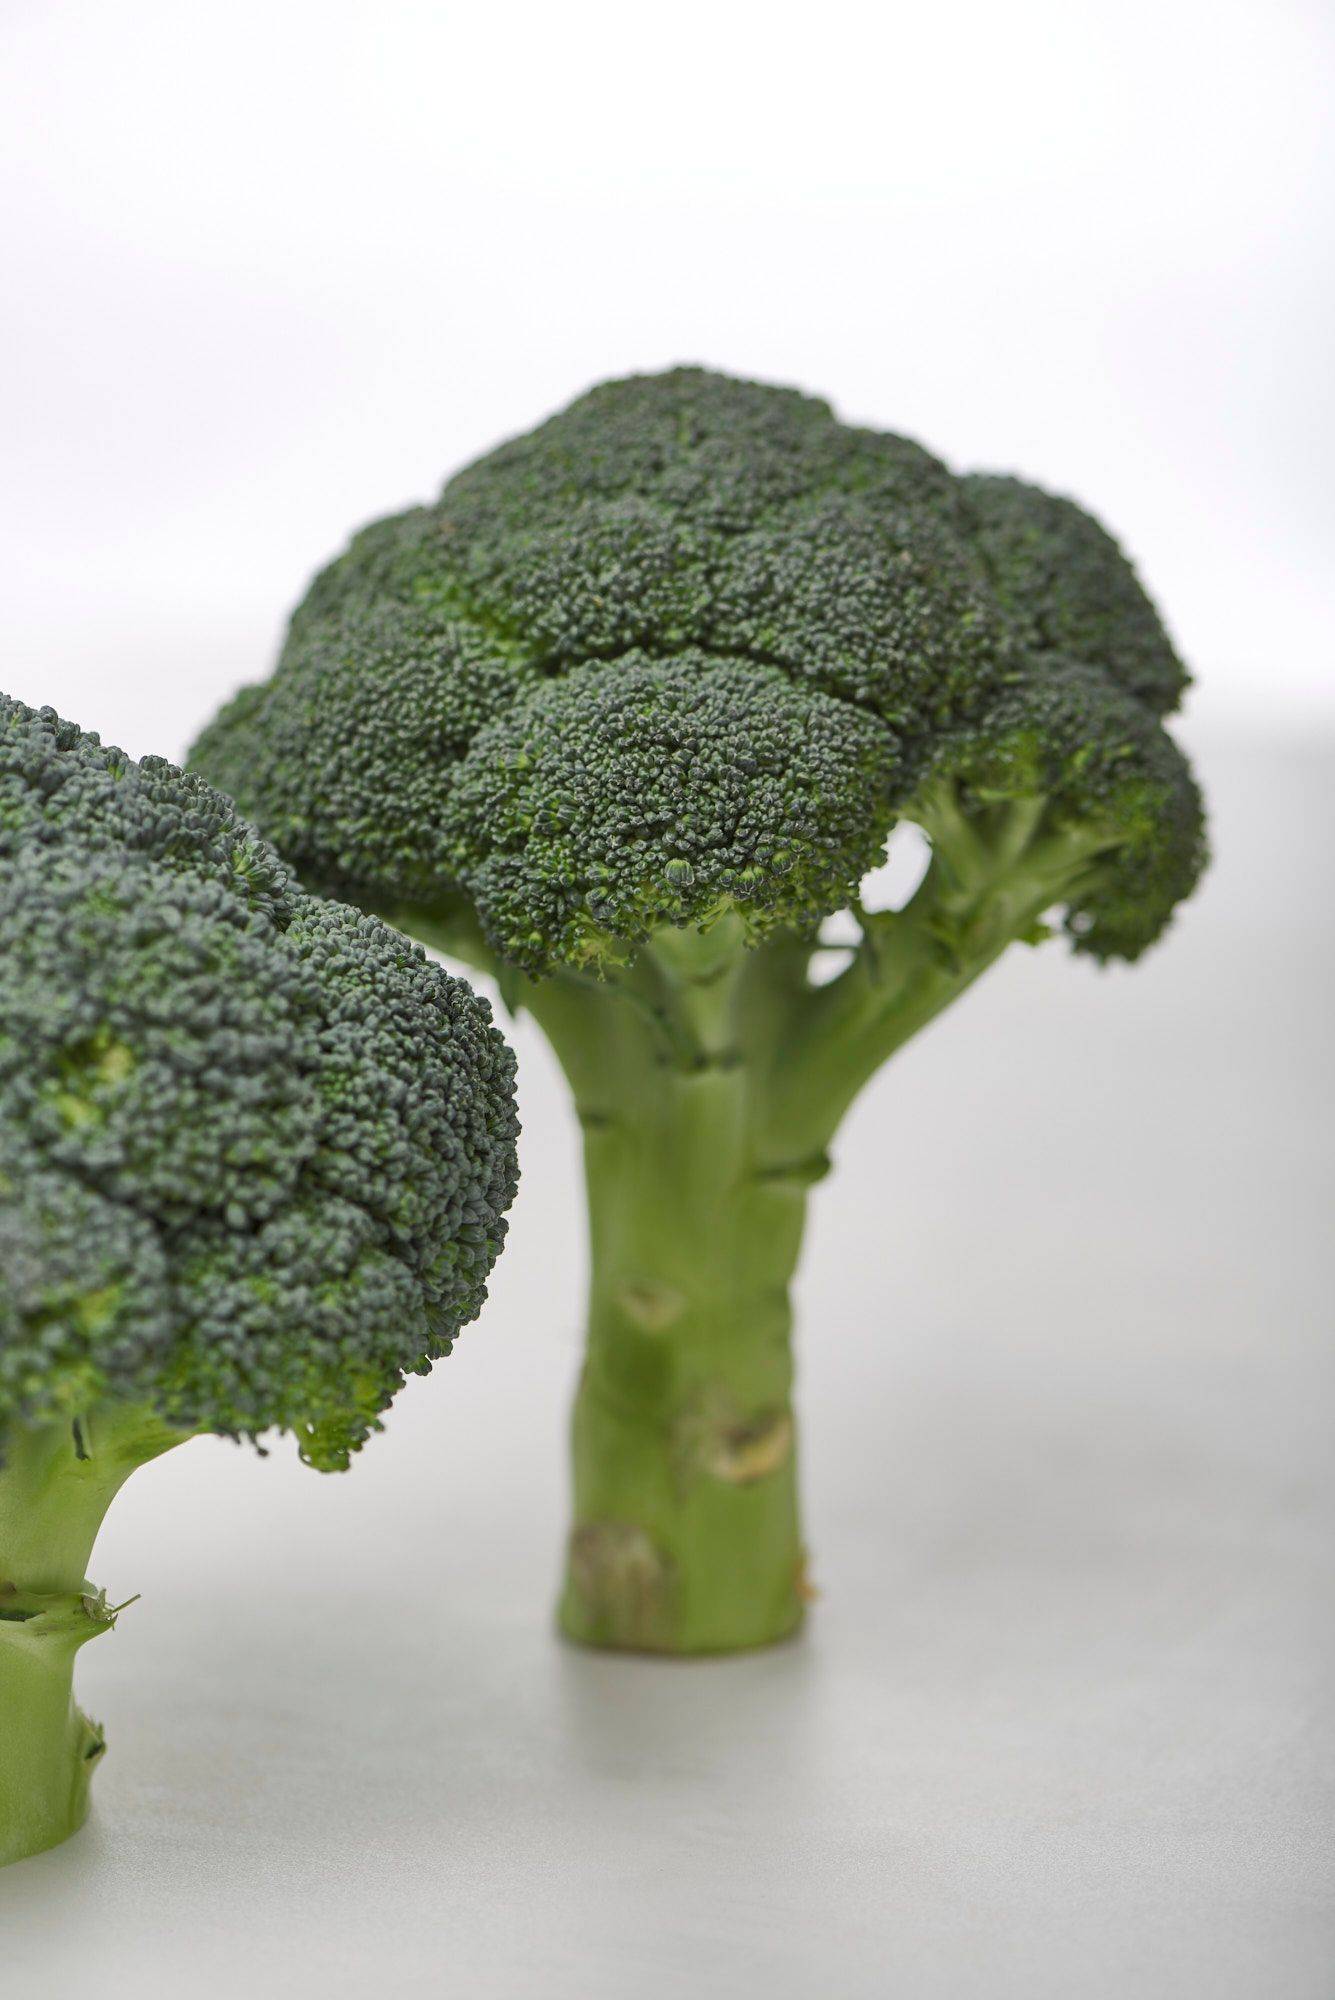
{"type": "Point", "coordinates": [695, 646]}
{"type": "Point", "coordinates": [255, 1151]}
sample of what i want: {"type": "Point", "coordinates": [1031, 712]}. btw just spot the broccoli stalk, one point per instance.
{"type": "Point", "coordinates": [54, 1492]}
{"type": "Point", "coordinates": [621, 721]}
{"type": "Point", "coordinates": [255, 1157]}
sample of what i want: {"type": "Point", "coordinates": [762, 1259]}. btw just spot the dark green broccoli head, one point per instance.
{"type": "Point", "coordinates": [255, 1151]}
{"type": "Point", "coordinates": [693, 644]}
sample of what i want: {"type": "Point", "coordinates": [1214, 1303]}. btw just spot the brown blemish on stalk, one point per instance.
{"type": "Point", "coordinates": [744, 1453]}
{"type": "Point", "coordinates": [624, 1586]}
{"type": "Point", "coordinates": [653, 1307]}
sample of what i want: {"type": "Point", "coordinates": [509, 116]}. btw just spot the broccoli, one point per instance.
{"type": "Point", "coordinates": [255, 1157]}
{"type": "Point", "coordinates": [623, 720]}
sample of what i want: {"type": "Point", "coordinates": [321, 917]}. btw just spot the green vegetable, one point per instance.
{"type": "Point", "coordinates": [622, 719]}
{"type": "Point", "coordinates": [255, 1157]}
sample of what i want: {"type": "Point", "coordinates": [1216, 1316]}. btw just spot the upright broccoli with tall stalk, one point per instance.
{"type": "Point", "coordinates": [255, 1157]}
{"type": "Point", "coordinates": [623, 719]}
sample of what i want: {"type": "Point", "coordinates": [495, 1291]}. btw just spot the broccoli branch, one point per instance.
{"type": "Point", "coordinates": [983, 890]}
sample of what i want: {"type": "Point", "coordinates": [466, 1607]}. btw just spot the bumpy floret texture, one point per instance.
{"type": "Point", "coordinates": [255, 1151]}
{"type": "Point", "coordinates": [445, 719]}
{"type": "Point", "coordinates": [1067, 589]}
{"type": "Point", "coordinates": [597, 803]}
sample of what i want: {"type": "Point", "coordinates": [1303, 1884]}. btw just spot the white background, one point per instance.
{"type": "Point", "coordinates": [272, 269]}
{"type": "Point", "coordinates": [1062, 1724]}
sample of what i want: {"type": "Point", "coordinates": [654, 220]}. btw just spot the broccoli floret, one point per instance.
{"type": "Point", "coordinates": [1067, 588]}
{"type": "Point", "coordinates": [727, 787]}
{"type": "Point", "coordinates": [255, 1157]}
{"type": "Point", "coordinates": [623, 718]}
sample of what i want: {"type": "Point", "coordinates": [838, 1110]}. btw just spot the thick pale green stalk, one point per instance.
{"type": "Point", "coordinates": [686, 1534]}
{"type": "Point", "coordinates": [48, 1747]}
{"type": "Point", "coordinates": [56, 1483]}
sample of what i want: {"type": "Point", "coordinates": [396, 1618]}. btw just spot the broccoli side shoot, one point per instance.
{"type": "Point", "coordinates": [255, 1158]}
{"type": "Point", "coordinates": [623, 718]}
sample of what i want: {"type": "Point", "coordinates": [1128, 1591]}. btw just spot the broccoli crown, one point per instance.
{"type": "Point", "coordinates": [255, 1150]}
{"type": "Point", "coordinates": [693, 643]}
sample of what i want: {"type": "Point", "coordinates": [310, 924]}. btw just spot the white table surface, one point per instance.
{"type": "Point", "coordinates": [1063, 1721]}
